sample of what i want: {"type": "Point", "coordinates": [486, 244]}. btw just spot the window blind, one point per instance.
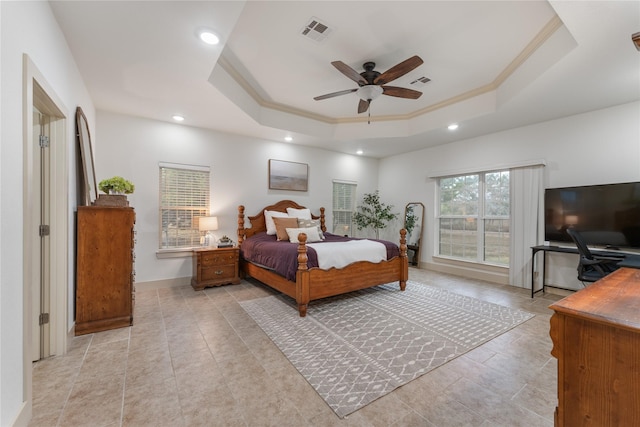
{"type": "Point", "coordinates": [344, 198]}
{"type": "Point", "coordinates": [184, 198]}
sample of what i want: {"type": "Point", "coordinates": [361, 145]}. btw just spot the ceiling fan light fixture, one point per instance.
{"type": "Point", "coordinates": [369, 92]}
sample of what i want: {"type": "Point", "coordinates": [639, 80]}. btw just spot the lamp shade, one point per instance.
{"type": "Point", "coordinates": [571, 219]}
{"type": "Point", "coordinates": [208, 223]}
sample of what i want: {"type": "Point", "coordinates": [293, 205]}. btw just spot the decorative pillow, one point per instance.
{"type": "Point", "coordinates": [312, 234]}
{"type": "Point", "coordinates": [306, 223]}
{"type": "Point", "coordinates": [282, 224]}
{"type": "Point", "coordinates": [299, 213]}
{"type": "Point", "coordinates": [268, 219]}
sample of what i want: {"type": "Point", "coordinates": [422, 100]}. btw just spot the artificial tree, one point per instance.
{"type": "Point", "coordinates": [410, 220]}
{"type": "Point", "coordinates": [373, 213]}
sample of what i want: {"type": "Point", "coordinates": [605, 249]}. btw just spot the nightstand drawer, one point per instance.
{"type": "Point", "coordinates": [219, 272]}
{"type": "Point", "coordinates": [218, 258]}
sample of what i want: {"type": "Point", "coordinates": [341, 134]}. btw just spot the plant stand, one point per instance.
{"type": "Point", "coordinates": [117, 200]}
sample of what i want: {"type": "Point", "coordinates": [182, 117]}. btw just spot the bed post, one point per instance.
{"type": "Point", "coordinates": [302, 276]}
{"type": "Point", "coordinates": [240, 224]}
{"type": "Point", "coordinates": [404, 260]}
{"type": "Point", "coordinates": [322, 226]}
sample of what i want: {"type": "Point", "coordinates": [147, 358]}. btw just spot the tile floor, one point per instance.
{"type": "Point", "coordinates": [197, 359]}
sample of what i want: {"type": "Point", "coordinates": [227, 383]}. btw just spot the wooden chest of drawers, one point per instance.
{"type": "Point", "coordinates": [104, 275]}
{"type": "Point", "coordinates": [596, 339]}
{"type": "Point", "coordinates": [215, 267]}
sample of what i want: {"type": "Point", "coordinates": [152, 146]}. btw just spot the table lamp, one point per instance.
{"type": "Point", "coordinates": [208, 224]}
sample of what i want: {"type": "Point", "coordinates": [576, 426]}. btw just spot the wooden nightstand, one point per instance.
{"type": "Point", "coordinates": [215, 267]}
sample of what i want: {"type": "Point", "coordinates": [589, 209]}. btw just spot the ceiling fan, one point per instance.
{"type": "Point", "coordinates": [373, 84]}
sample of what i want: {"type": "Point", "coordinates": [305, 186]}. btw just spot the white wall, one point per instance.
{"type": "Point", "coordinates": [598, 147]}
{"type": "Point", "coordinates": [133, 147]}
{"type": "Point", "coordinates": [592, 148]}
{"type": "Point", "coordinates": [573, 147]}
{"type": "Point", "coordinates": [27, 27]}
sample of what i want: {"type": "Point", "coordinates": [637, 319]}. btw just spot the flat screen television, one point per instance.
{"type": "Point", "coordinates": [605, 215]}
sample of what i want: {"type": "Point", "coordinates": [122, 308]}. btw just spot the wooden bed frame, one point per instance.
{"type": "Point", "coordinates": [316, 283]}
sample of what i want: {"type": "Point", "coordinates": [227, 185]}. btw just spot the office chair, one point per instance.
{"type": "Point", "coordinates": [592, 267]}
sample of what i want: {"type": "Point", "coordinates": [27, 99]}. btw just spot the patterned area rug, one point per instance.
{"type": "Point", "coordinates": [358, 347]}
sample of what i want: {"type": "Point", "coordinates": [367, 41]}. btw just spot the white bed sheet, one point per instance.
{"type": "Point", "coordinates": [341, 254]}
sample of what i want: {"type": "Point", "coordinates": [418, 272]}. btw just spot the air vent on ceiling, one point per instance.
{"type": "Point", "coordinates": [316, 30]}
{"type": "Point", "coordinates": [421, 81]}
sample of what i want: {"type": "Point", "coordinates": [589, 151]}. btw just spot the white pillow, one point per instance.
{"type": "Point", "coordinates": [299, 213]}
{"type": "Point", "coordinates": [305, 223]}
{"type": "Point", "coordinates": [268, 220]}
{"type": "Point", "coordinates": [312, 234]}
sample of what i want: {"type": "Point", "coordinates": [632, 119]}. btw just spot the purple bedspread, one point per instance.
{"type": "Point", "coordinates": [282, 256]}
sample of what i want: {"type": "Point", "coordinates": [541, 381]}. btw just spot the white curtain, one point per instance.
{"type": "Point", "coordinates": [527, 225]}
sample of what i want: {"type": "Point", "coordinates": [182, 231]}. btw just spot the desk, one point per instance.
{"type": "Point", "coordinates": [630, 260]}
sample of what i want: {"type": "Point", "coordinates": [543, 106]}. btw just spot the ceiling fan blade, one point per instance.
{"type": "Point", "coordinates": [331, 95]}
{"type": "Point", "coordinates": [363, 106]}
{"type": "Point", "coordinates": [349, 72]}
{"type": "Point", "coordinates": [401, 92]}
{"type": "Point", "coordinates": [398, 70]}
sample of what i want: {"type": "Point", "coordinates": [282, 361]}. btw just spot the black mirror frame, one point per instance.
{"type": "Point", "coordinates": [419, 223]}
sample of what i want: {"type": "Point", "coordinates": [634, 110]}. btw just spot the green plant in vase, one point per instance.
{"type": "Point", "coordinates": [116, 185]}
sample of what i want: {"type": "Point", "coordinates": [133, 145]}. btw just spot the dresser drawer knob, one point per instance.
{"type": "Point", "coordinates": [219, 272]}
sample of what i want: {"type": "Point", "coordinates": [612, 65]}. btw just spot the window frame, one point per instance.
{"type": "Point", "coordinates": [195, 211]}
{"type": "Point", "coordinates": [341, 212]}
{"type": "Point", "coordinates": [480, 217]}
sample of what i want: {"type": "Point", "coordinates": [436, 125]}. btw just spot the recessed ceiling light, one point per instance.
{"type": "Point", "coordinates": [177, 118]}
{"type": "Point", "coordinates": [288, 138]}
{"type": "Point", "coordinates": [452, 126]}
{"type": "Point", "coordinates": [359, 152]}
{"type": "Point", "coordinates": [209, 37]}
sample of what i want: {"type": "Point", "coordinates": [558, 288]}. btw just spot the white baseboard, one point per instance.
{"type": "Point", "coordinates": [497, 277]}
{"type": "Point", "coordinates": [23, 416]}
{"type": "Point", "coordinates": [164, 283]}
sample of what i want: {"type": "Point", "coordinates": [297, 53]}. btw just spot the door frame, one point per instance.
{"type": "Point", "coordinates": [38, 93]}
{"type": "Point", "coordinates": [41, 333]}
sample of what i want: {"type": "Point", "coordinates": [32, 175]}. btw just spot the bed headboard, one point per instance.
{"type": "Point", "coordinates": [257, 221]}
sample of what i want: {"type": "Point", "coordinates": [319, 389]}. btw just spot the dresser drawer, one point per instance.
{"type": "Point", "coordinates": [218, 258]}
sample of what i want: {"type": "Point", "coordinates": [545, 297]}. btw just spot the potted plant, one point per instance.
{"type": "Point", "coordinates": [115, 189]}
{"type": "Point", "coordinates": [116, 185]}
{"type": "Point", "coordinates": [373, 213]}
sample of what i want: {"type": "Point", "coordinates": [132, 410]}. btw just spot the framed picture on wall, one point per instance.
{"type": "Point", "coordinates": [285, 175]}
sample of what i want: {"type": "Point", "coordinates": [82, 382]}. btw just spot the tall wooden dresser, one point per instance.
{"type": "Point", "coordinates": [104, 275]}
{"type": "Point", "coordinates": [596, 339]}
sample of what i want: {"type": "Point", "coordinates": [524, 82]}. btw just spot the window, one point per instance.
{"type": "Point", "coordinates": [344, 200]}
{"type": "Point", "coordinates": [474, 217]}
{"type": "Point", "coordinates": [184, 198]}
